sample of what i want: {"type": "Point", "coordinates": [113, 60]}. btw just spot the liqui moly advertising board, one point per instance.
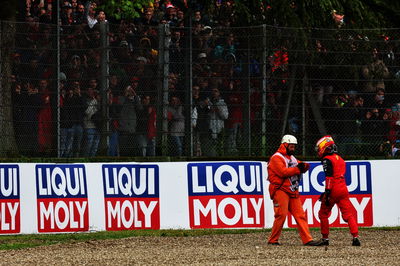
{"type": "Point", "coordinates": [358, 180]}
{"type": "Point", "coordinates": [131, 196]}
{"type": "Point", "coordinates": [9, 199]}
{"type": "Point", "coordinates": [62, 200]}
{"type": "Point", "coordinates": [226, 195]}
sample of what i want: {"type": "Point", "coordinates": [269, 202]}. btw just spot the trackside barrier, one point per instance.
{"type": "Point", "coordinates": [54, 198]}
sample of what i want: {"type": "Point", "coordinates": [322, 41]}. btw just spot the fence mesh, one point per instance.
{"type": "Point", "coordinates": [140, 90]}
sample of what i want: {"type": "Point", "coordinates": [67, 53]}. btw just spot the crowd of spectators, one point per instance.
{"type": "Point", "coordinates": [365, 115]}
{"type": "Point", "coordinates": [220, 78]}
{"type": "Point", "coordinates": [132, 84]}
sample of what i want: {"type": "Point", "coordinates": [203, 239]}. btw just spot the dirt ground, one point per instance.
{"type": "Point", "coordinates": [379, 247]}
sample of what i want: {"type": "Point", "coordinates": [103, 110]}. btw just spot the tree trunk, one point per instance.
{"type": "Point", "coordinates": [8, 146]}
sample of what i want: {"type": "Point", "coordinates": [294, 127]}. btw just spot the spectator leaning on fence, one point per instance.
{"type": "Point", "coordinates": [45, 121]}
{"type": "Point", "coordinates": [66, 132]}
{"type": "Point", "coordinates": [217, 115]}
{"type": "Point", "coordinates": [235, 119]}
{"type": "Point", "coordinates": [176, 120]}
{"type": "Point", "coordinates": [92, 130]}
{"type": "Point", "coordinates": [146, 128]}
{"type": "Point", "coordinates": [19, 105]}
{"type": "Point", "coordinates": [130, 105]}
{"type": "Point", "coordinates": [114, 108]}
{"type": "Point", "coordinates": [33, 103]}
{"type": "Point", "coordinates": [77, 110]}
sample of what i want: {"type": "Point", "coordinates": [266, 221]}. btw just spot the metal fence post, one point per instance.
{"type": "Point", "coordinates": [8, 145]}
{"type": "Point", "coordinates": [188, 91]}
{"type": "Point", "coordinates": [1, 73]}
{"type": "Point", "coordinates": [58, 29]}
{"type": "Point", "coordinates": [264, 91]}
{"type": "Point", "coordinates": [163, 66]}
{"type": "Point", "coordinates": [104, 29]}
{"type": "Point", "coordinates": [303, 111]}
{"type": "Point", "coordinates": [246, 113]}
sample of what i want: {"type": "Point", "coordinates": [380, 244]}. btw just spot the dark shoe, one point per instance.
{"type": "Point", "coordinates": [313, 243]}
{"type": "Point", "coordinates": [274, 243]}
{"type": "Point", "coordinates": [356, 242]}
{"type": "Point", "coordinates": [324, 242]}
{"type": "Point", "coordinates": [321, 242]}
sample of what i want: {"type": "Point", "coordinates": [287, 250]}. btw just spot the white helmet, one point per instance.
{"type": "Point", "coordinates": [289, 139]}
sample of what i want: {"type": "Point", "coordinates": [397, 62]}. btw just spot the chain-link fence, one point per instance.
{"type": "Point", "coordinates": [140, 90]}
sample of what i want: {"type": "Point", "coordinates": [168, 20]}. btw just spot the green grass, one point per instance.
{"type": "Point", "coordinates": [33, 240]}
{"type": "Point", "coordinates": [8, 242]}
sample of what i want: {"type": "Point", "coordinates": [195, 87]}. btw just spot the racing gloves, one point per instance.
{"type": "Point", "coordinates": [303, 167]}
{"type": "Point", "coordinates": [325, 197]}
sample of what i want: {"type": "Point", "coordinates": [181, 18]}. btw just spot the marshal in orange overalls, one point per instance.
{"type": "Point", "coordinates": [284, 177]}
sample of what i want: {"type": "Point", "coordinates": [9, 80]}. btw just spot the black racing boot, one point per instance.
{"type": "Point", "coordinates": [321, 242]}
{"type": "Point", "coordinates": [313, 243]}
{"type": "Point", "coordinates": [324, 242]}
{"type": "Point", "coordinates": [356, 242]}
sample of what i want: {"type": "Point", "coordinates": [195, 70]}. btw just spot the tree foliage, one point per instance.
{"type": "Point", "coordinates": [311, 13]}
{"type": "Point", "coordinates": [286, 13]}
{"type": "Point", "coordinates": [124, 9]}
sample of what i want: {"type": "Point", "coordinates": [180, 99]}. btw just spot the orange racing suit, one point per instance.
{"type": "Point", "coordinates": [284, 177]}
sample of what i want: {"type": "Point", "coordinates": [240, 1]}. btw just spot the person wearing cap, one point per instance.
{"type": "Point", "coordinates": [284, 174]}
{"type": "Point", "coordinates": [200, 66]}
{"type": "Point", "coordinates": [170, 14]}
{"type": "Point", "coordinates": [66, 15]}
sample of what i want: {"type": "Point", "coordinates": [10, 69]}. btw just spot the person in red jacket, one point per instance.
{"type": "Point", "coordinates": [335, 190]}
{"type": "Point", "coordinates": [284, 173]}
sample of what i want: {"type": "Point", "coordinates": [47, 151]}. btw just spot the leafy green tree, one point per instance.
{"type": "Point", "coordinates": [307, 13]}
{"type": "Point", "coordinates": [124, 9]}
{"type": "Point", "coordinates": [285, 13]}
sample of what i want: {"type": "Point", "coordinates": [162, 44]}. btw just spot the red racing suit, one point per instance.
{"type": "Point", "coordinates": [335, 168]}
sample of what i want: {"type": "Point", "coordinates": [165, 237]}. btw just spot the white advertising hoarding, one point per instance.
{"type": "Point", "coordinates": [49, 198]}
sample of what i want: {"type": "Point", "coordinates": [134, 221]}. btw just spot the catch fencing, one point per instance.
{"type": "Point", "coordinates": [135, 90]}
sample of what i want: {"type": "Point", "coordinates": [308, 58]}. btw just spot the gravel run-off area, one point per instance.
{"type": "Point", "coordinates": [379, 247]}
